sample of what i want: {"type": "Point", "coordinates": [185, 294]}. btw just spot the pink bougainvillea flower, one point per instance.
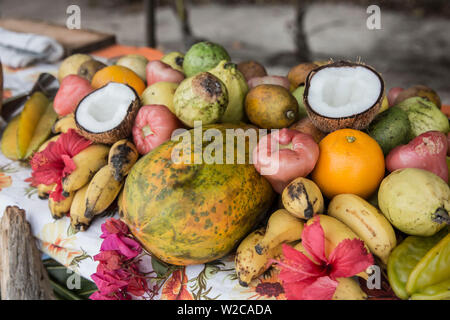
{"type": "Point", "coordinates": [127, 247]}
{"type": "Point", "coordinates": [111, 259]}
{"type": "Point", "coordinates": [109, 281]}
{"type": "Point", "coordinates": [55, 161]}
{"type": "Point", "coordinates": [114, 226]}
{"type": "Point", "coordinates": [315, 277]}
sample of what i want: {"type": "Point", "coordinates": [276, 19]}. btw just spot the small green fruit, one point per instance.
{"type": "Point", "coordinates": [174, 59]}
{"type": "Point", "coordinates": [160, 93]}
{"type": "Point", "coordinates": [136, 63]}
{"type": "Point", "coordinates": [298, 95]}
{"type": "Point", "coordinates": [203, 56]}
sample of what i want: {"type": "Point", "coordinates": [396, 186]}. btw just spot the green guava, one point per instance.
{"type": "Point", "coordinates": [203, 56]}
{"type": "Point", "coordinates": [174, 59]}
{"type": "Point", "coordinates": [202, 97]}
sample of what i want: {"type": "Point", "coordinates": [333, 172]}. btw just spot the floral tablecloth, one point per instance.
{"type": "Point", "coordinates": [75, 250]}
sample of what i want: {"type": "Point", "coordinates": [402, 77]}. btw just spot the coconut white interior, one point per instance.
{"type": "Point", "coordinates": [105, 108]}
{"type": "Point", "coordinates": [337, 92]}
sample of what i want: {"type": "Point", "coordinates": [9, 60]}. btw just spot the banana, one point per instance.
{"type": "Point", "coordinates": [45, 144]}
{"type": "Point", "coordinates": [250, 265]}
{"type": "Point", "coordinates": [366, 221]}
{"type": "Point", "coordinates": [88, 162]}
{"type": "Point", "coordinates": [347, 289]}
{"type": "Point", "coordinates": [44, 190]}
{"type": "Point", "coordinates": [281, 227]}
{"type": "Point", "coordinates": [302, 198]}
{"type": "Point", "coordinates": [122, 156]}
{"type": "Point", "coordinates": [61, 208]}
{"type": "Point", "coordinates": [335, 232]}
{"type": "Point", "coordinates": [120, 205]}
{"type": "Point", "coordinates": [65, 123]}
{"type": "Point", "coordinates": [102, 191]}
{"type": "Point", "coordinates": [77, 218]}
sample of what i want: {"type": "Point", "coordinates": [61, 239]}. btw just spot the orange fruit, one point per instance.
{"type": "Point", "coordinates": [120, 74]}
{"type": "Point", "coordinates": [350, 161]}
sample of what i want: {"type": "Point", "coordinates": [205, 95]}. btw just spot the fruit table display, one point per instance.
{"type": "Point", "coordinates": [341, 181]}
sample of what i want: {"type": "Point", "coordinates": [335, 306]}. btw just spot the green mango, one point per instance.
{"type": "Point", "coordinates": [298, 95]}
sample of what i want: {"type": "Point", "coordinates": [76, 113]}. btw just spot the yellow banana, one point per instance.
{"type": "Point", "coordinates": [250, 265]}
{"type": "Point", "coordinates": [65, 123]}
{"type": "Point", "coordinates": [77, 218]}
{"type": "Point", "coordinates": [366, 221]}
{"type": "Point", "coordinates": [348, 289]}
{"type": "Point", "coordinates": [302, 198]}
{"type": "Point", "coordinates": [88, 162]}
{"type": "Point", "coordinates": [61, 208]}
{"type": "Point", "coordinates": [45, 144]}
{"type": "Point", "coordinates": [120, 205]}
{"type": "Point", "coordinates": [122, 156]}
{"type": "Point", "coordinates": [281, 227]}
{"type": "Point", "coordinates": [44, 190]}
{"type": "Point", "coordinates": [102, 191]}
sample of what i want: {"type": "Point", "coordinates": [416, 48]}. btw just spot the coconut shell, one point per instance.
{"type": "Point", "coordinates": [358, 121]}
{"type": "Point", "coordinates": [122, 131]}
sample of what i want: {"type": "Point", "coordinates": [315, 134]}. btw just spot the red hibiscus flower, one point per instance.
{"type": "Point", "coordinates": [316, 278]}
{"type": "Point", "coordinates": [55, 161]}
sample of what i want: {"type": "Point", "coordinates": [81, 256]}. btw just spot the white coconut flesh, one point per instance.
{"type": "Point", "coordinates": [338, 92]}
{"type": "Point", "coordinates": [105, 108]}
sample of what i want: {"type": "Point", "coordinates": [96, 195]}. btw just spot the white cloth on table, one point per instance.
{"type": "Point", "coordinates": [19, 50]}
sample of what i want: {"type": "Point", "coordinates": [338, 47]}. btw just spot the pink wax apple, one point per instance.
{"type": "Point", "coordinates": [158, 71]}
{"type": "Point", "coordinates": [285, 155]}
{"type": "Point", "coordinates": [427, 151]}
{"type": "Point", "coordinates": [72, 89]}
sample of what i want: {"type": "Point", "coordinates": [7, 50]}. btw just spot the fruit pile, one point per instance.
{"type": "Point", "coordinates": [335, 161]}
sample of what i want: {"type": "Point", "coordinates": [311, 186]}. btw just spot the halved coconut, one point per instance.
{"type": "Point", "coordinates": [107, 114]}
{"type": "Point", "coordinates": [343, 95]}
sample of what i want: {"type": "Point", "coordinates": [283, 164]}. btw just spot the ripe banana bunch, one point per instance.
{"type": "Point", "coordinates": [282, 227]}
{"type": "Point", "coordinates": [61, 208]}
{"type": "Point", "coordinates": [366, 221]}
{"type": "Point", "coordinates": [62, 125]}
{"type": "Point", "coordinates": [44, 190]}
{"type": "Point", "coordinates": [101, 191]}
{"type": "Point", "coordinates": [302, 198]}
{"type": "Point", "coordinates": [250, 265]}
{"type": "Point", "coordinates": [87, 162]}
{"type": "Point", "coordinates": [77, 218]}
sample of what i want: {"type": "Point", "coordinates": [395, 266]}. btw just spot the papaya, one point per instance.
{"type": "Point", "coordinates": [191, 213]}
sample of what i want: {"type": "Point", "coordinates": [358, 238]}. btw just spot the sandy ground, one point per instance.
{"type": "Point", "coordinates": [407, 50]}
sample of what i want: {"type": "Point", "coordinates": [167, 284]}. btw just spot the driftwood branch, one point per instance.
{"type": "Point", "coordinates": [22, 274]}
